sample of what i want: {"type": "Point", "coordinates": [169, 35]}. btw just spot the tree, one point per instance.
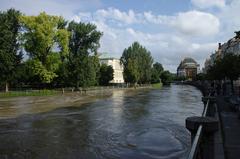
{"type": "Point", "coordinates": [137, 62]}
{"type": "Point", "coordinates": [10, 56]}
{"type": "Point", "coordinates": [83, 45]}
{"type": "Point", "coordinates": [145, 62]}
{"type": "Point", "coordinates": [227, 67]}
{"type": "Point", "coordinates": [166, 77]}
{"type": "Point", "coordinates": [46, 42]}
{"type": "Point", "coordinates": [216, 72]}
{"type": "Point", "coordinates": [156, 72]}
{"type": "Point", "coordinates": [230, 66]}
{"type": "Point", "coordinates": [106, 74]}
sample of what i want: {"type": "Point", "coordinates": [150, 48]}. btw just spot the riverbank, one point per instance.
{"type": "Point", "coordinates": [47, 92]}
{"type": "Point", "coordinates": [16, 106]}
{"type": "Point", "coordinates": [43, 92]}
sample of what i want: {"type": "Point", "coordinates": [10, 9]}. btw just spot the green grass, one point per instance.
{"type": "Point", "coordinates": [157, 85]}
{"type": "Point", "coordinates": [27, 93]}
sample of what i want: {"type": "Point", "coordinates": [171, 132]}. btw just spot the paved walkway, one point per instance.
{"type": "Point", "coordinates": [231, 129]}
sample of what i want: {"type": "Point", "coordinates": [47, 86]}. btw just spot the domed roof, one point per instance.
{"type": "Point", "coordinates": [189, 60]}
{"type": "Point", "coordinates": [187, 63]}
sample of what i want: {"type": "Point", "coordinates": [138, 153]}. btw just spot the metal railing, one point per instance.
{"type": "Point", "coordinates": [197, 139]}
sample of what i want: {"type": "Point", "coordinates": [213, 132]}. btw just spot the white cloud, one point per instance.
{"type": "Point", "coordinates": [166, 47]}
{"type": "Point", "coordinates": [190, 23]}
{"type": "Point", "coordinates": [204, 4]}
{"type": "Point", "coordinates": [230, 19]}
{"type": "Point", "coordinates": [156, 19]}
{"type": "Point", "coordinates": [197, 23]}
{"type": "Point", "coordinates": [113, 13]}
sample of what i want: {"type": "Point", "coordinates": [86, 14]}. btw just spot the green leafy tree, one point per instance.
{"type": "Point", "coordinates": [106, 74]}
{"type": "Point", "coordinates": [166, 77]}
{"type": "Point", "coordinates": [137, 62]}
{"type": "Point", "coordinates": [216, 72]}
{"type": "Point", "coordinates": [230, 65]}
{"type": "Point", "coordinates": [10, 56]}
{"type": "Point", "coordinates": [46, 41]}
{"type": "Point", "coordinates": [145, 62]}
{"type": "Point", "coordinates": [156, 72]}
{"type": "Point", "coordinates": [225, 68]}
{"type": "Point", "coordinates": [83, 45]}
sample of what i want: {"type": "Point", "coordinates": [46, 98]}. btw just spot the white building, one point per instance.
{"type": "Point", "coordinates": [117, 69]}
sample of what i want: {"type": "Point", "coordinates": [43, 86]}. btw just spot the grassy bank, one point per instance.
{"type": "Point", "coordinates": [27, 93]}
{"type": "Point", "coordinates": [46, 92]}
{"type": "Point", "coordinates": [157, 85]}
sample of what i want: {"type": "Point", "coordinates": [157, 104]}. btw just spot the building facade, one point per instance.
{"type": "Point", "coordinates": [232, 46]}
{"type": "Point", "coordinates": [188, 68]}
{"type": "Point", "coordinates": [117, 69]}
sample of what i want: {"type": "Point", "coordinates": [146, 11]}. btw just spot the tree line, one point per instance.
{"type": "Point", "coordinates": [48, 51]}
{"type": "Point", "coordinates": [226, 68]}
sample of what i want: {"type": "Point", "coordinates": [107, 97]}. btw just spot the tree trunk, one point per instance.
{"type": "Point", "coordinates": [7, 87]}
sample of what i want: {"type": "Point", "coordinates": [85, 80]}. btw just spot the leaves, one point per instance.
{"type": "Point", "coordinates": [46, 41]}
{"type": "Point", "coordinates": [137, 62]}
{"type": "Point", "coordinates": [227, 67]}
{"type": "Point", "coordinates": [106, 74]}
{"type": "Point", "coordinates": [83, 45]}
{"type": "Point", "coordinates": [10, 56]}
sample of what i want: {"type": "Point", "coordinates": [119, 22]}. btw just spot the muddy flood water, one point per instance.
{"type": "Point", "coordinates": [136, 124]}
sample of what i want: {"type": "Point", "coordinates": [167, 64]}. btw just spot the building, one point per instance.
{"type": "Point", "coordinates": [231, 46]}
{"type": "Point", "coordinates": [117, 69]}
{"type": "Point", "coordinates": [188, 68]}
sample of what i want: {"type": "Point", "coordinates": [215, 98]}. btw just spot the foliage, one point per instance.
{"type": "Point", "coordinates": [137, 62]}
{"type": "Point", "coordinates": [84, 41]}
{"type": "Point", "coordinates": [43, 36]}
{"type": "Point", "coordinates": [201, 76]}
{"type": "Point", "coordinates": [59, 53]}
{"type": "Point", "coordinates": [156, 72]}
{"type": "Point", "coordinates": [106, 74]}
{"type": "Point", "coordinates": [166, 77]}
{"type": "Point", "coordinates": [177, 78]}
{"type": "Point", "coordinates": [10, 56]}
{"type": "Point", "coordinates": [225, 68]}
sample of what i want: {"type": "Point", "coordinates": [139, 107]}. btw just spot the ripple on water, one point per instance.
{"type": "Point", "coordinates": [156, 143]}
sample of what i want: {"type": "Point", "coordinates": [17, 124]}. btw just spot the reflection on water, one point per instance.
{"type": "Point", "coordinates": [143, 124]}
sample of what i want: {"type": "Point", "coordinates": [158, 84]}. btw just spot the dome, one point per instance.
{"type": "Point", "coordinates": [187, 63]}
{"type": "Point", "coordinates": [188, 60]}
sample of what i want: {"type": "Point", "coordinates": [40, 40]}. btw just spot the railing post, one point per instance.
{"type": "Point", "coordinates": [209, 127]}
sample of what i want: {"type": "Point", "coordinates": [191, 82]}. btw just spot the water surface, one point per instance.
{"type": "Point", "coordinates": [138, 125]}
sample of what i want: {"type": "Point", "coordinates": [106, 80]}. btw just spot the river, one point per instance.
{"type": "Point", "coordinates": [142, 124]}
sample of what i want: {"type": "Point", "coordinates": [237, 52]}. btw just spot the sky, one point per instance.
{"type": "Point", "coordinates": [169, 29]}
